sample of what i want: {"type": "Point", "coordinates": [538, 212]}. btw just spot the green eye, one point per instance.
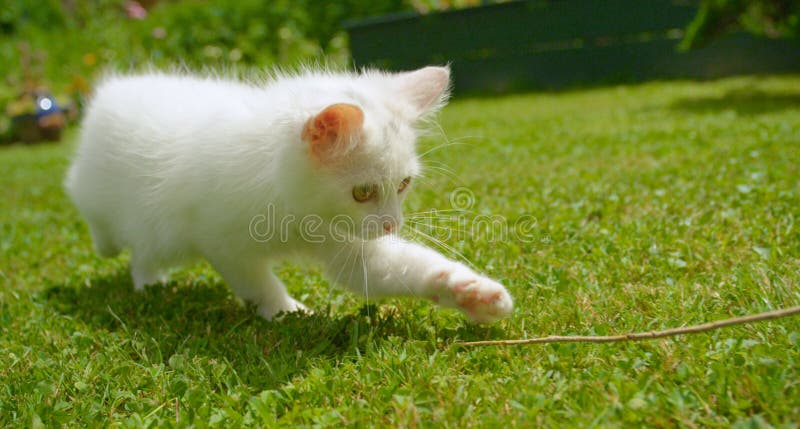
{"type": "Point", "coordinates": [364, 193]}
{"type": "Point", "coordinates": [403, 185]}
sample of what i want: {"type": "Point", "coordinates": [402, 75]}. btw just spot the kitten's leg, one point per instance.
{"type": "Point", "coordinates": [252, 280]}
{"type": "Point", "coordinates": [390, 266]}
{"type": "Point", "coordinates": [145, 271]}
{"type": "Point", "coordinates": [103, 243]}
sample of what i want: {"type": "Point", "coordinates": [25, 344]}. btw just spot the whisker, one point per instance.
{"type": "Point", "coordinates": [447, 141]}
{"type": "Point", "coordinates": [442, 221]}
{"type": "Point", "coordinates": [440, 146]}
{"type": "Point", "coordinates": [441, 232]}
{"type": "Point", "coordinates": [345, 263]}
{"type": "Point", "coordinates": [366, 280]}
{"type": "Point", "coordinates": [449, 174]}
{"type": "Point", "coordinates": [435, 221]}
{"type": "Point", "coordinates": [354, 253]}
{"type": "Point", "coordinates": [440, 227]}
{"type": "Point", "coordinates": [444, 135]}
{"type": "Point", "coordinates": [441, 165]}
{"type": "Point", "coordinates": [434, 211]}
{"type": "Point", "coordinates": [445, 246]}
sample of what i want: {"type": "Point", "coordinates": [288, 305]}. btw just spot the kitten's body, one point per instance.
{"type": "Point", "coordinates": [176, 167]}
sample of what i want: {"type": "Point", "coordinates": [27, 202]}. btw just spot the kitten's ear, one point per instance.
{"type": "Point", "coordinates": [334, 131]}
{"type": "Point", "coordinates": [427, 88]}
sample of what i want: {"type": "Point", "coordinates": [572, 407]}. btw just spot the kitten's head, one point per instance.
{"type": "Point", "coordinates": [362, 150]}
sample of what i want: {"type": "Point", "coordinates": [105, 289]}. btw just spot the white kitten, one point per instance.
{"type": "Point", "coordinates": [317, 164]}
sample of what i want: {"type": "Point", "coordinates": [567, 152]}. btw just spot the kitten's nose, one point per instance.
{"type": "Point", "coordinates": [389, 226]}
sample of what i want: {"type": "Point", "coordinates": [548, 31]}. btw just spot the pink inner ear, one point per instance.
{"type": "Point", "coordinates": [333, 130]}
{"type": "Point", "coordinates": [425, 87]}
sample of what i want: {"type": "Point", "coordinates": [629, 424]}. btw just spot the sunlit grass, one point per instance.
{"type": "Point", "coordinates": [656, 205]}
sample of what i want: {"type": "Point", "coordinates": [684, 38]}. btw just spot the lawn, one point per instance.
{"type": "Point", "coordinates": [656, 205]}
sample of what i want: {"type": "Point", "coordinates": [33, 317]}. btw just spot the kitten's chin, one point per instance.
{"type": "Point", "coordinates": [374, 234]}
{"type": "Point", "coordinates": [367, 233]}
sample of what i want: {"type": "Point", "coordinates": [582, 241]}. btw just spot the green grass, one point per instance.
{"type": "Point", "coordinates": [658, 205]}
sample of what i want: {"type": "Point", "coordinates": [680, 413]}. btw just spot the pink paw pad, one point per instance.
{"type": "Point", "coordinates": [482, 299]}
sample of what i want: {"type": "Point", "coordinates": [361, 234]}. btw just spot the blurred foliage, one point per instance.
{"type": "Point", "coordinates": [768, 18]}
{"type": "Point", "coordinates": [249, 32]}
{"type": "Point", "coordinates": [80, 38]}
{"type": "Point", "coordinates": [77, 40]}
{"type": "Point", "coordinates": [425, 6]}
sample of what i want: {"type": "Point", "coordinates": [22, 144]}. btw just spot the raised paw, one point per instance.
{"type": "Point", "coordinates": [482, 299]}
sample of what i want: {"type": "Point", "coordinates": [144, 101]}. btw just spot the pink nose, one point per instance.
{"type": "Point", "coordinates": [389, 226]}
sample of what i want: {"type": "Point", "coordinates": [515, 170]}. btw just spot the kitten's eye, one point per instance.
{"type": "Point", "coordinates": [364, 193]}
{"type": "Point", "coordinates": [403, 185]}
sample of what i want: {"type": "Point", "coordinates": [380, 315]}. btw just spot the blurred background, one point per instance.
{"type": "Point", "coordinates": [51, 51]}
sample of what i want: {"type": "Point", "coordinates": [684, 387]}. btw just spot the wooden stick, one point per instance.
{"type": "Point", "coordinates": [639, 336]}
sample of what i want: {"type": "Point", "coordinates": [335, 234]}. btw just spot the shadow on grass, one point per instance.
{"type": "Point", "coordinates": [744, 101]}
{"type": "Point", "coordinates": [205, 320]}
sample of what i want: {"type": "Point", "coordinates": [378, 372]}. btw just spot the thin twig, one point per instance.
{"type": "Point", "coordinates": [638, 336]}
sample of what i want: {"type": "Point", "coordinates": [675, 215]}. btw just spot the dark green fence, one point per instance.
{"type": "Point", "coordinates": [552, 44]}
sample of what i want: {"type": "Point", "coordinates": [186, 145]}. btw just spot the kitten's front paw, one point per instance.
{"type": "Point", "coordinates": [482, 299]}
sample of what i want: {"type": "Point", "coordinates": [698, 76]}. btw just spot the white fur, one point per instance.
{"type": "Point", "coordinates": [176, 167]}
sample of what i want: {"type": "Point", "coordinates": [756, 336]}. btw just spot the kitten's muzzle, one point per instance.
{"type": "Point", "coordinates": [381, 224]}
